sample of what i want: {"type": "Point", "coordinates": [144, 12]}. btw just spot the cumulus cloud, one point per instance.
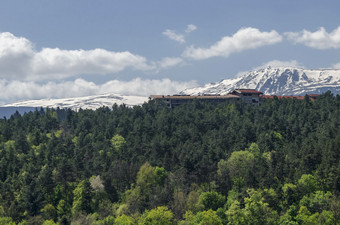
{"type": "Point", "coordinates": [66, 63]}
{"type": "Point", "coordinates": [21, 90]}
{"type": "Point", "coordinates": [15, 55]}
{"type": "Point", "coordinates": [190, 28]}
{"type": "Point", "coordinates": [19, 60]}
{"type": "Point", "coordinates": [319, 39]}
{"type": "Point", "coordinates": [243, 39]}
{"type": "Point", "coordinates": [172, 35]}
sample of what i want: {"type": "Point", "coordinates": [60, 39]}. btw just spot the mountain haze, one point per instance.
{"type": "Point", "coordinates": [276, 81]}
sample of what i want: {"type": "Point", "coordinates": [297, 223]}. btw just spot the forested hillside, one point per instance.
{"type": "Point", "coordinates": [196, 164]}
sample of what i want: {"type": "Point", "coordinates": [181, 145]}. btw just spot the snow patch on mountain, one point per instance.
{"type": "Point", "coordinates": [276, 81]}
{"type": "Point", "coordinates": [88, 102]}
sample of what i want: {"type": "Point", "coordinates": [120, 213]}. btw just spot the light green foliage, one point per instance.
{"type": "Point", "coordinates": [212, 200]}
{"type": "Point", "coordinates": [82, 198]}
{"type": "Point", "coordinates": [289, 217]}
{"type": "Point", "coordinates": [232, 196]}
{"type": "Point", "coordinates": [240, 164]}
{"type": "Point", "coordinates": [118, 142]}
{"type": "Point", "coordinates": [271, 198]}
{"type": "Point", "coordinates": [257, 210]}
{"type": "Point", "coordinates": [236, 215]}
{"type": "Point", "coordinates": [305, 217]}
{"type": "Point", "coordinates": [327, 218]}
{"type": "Point", "coordinates": [124, 220]}
{"type": "Point", "coordinates": [255, 149]}
{"type": "Point", "coordinates": [159, 216]}
{"type": "Point", "coordinates": [307, 184]}
{"type": "Point", "coordinates": [149, 182]}
{"type": "Point", "coordinates": [62, 208]}
{"type": "Point", "coordinates": [316, 202]}
{"type": "Point", "coordinates": [49, 222]}
{"type": "Point", "coordinates": [146, 176]}
{"type": "Point", "coordinates": [208, 217]}
{"type": "Point", "coordinates": [6, 221]}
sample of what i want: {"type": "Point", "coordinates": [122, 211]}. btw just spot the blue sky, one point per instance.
{"type": "Point", "coordinates": [68, 48]}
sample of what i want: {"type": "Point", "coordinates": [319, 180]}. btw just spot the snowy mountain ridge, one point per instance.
{"type": "Point", "coordinates": [269, 80]}
{"type": "Point", "coordinates": [87, 102]}
{"type": "Point", "coordinates": [276, 81]}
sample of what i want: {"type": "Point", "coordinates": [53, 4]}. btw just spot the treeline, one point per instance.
{"type": "Point", "coordinates": [277, 163]}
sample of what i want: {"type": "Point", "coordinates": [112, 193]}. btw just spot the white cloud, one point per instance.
{"type": "Point", "coordinates": [190, 28]}
{"type": "Point", "coordinates": [278, 63]}
{"type": "Point", "coordinates": [19, 60]}
{"type": "Point", "coordinates": [336, 66]}
{"type": "Point", "coordinates": [174, 36]}
{"type": "Point", "coordinates": [243, 39]}
{"type": "Point", "coordinates": [273, 64]}
{"type": "Point", "coordinates": [66, 63]}
{"type": "Point", "coordinates": [319, 39]}
{"type": "Point", "coordinates": [15, 55]}
{"type": "Point", "coordinates": [169, 62]}
{"type": "Point", "coordinates": [21, 90]}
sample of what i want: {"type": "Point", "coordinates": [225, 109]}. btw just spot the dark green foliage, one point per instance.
{"type": "Point", "coordinates": [288, 149]}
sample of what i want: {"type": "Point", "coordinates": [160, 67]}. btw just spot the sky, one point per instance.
{"type": "Point", "coordinates": [71, 48]}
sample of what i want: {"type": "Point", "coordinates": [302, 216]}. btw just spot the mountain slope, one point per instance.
{"type": "Point", "coordinates": [277, 81]}
{"type": "Point", "coordinates": [88, 102]}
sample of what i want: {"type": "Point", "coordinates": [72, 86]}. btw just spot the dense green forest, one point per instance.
{"type": "Point", "coordinates": [277, 163]}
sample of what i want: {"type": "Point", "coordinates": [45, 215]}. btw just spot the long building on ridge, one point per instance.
{"type": "Point", "coordinates": [176, 100]}
{"type": "Point", "coordinates": [248, 96]}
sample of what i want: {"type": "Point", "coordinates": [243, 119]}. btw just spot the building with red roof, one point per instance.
{"type": "Point", "coordinates": [248, 96]}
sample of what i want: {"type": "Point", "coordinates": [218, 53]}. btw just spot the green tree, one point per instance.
{"type": "Point", "coordinates": [124, 220]}
{"type": "Point", "coordinates": [257, 211]}
{"type": "Point", "coordinates": [6, 221]}
{"type": "Point", "coordinates": [82, 198]}
{"type": "Point", "coordinates": [158, 216]}
{"type": "Point", "coordinates": [212, 200]}
{"type": "Point", "coordinates": [307, 184]}
{"type": "Point", "coordinates": [240, 166]}
{"type": "Point", "coordinates": [49, 212]}
{"type": "Point", "coordinates": [147, 192]}
{"type": "Point", "coordinates": [208, 217]}
{"type": "Point", "coordinates": [118, 142]}
{"type": "Point", "coordinates": [317, 202]}
{"type": "Point", "coordinates": [236, 215]}
{"type": "Point", "coordinates": [49, 222]}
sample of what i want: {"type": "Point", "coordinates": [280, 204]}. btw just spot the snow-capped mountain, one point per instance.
{"type": "Point", "coordinates": [88, 102]}
{"type": "Point", "coordinates": [276, 81]}
{"type": "Point", "coordinates": [270, 81]}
